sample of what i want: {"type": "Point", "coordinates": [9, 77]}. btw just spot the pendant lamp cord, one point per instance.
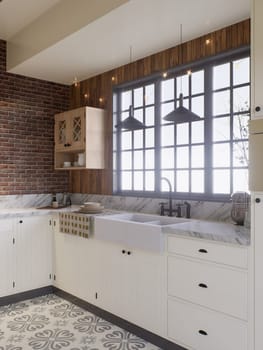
{"type": "Point", "coordinates": [181, 41]}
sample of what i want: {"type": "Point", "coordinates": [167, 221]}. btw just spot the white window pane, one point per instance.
{"type": "Point", "coordinates": [197, 181]}
{"type": "Point", "coordinates": [149, 137]}
{"type": "Point", "coordinates": [126, 140]}
{"type": "Point", "coordinates": [138, 114]}
{"type": "Point", "coordinates": [126, 180]}
{"type": "Point", "coordinates": [182, 134]}
{"type": "Point", "coordinates": [167, 158]}
{"type": "Point", "coordinates": [221, 102]}
{"type": "Point", "coordinates": [198, 82]}
{"type": "Point", "coordinates": [221, 181]}
{"type": "Point", "coordinates": [149, 159]}
{"type": "Point", "coordinates": [241, 71]}
{"type": "Point", "coordinates": [240, 180]}
{"type": "Point", "coordinates": [114, 141]}
{"type": "Point", "coordinates": [221, 129]}
{"type": "Point", "coordinates": [149, 94]}
{"type": "Point", "coordinates": [197, 158]}
{"type": "Point", "coordinates": [183, 85]}
{"type": "Point", "coordinates": [126, 160]}
{"type": "Point", "coordinates": [240, 126]}
{"type": "Point", "coordinates": [165, 109]}
{"type": "Point", "coordinates": [149, 116]}
{"type": "Point", "coordinates": [198, 106]}
{"type": "Point", "coordinates": [167, 135]}
{"type": "Point", "coordinates": [182, 181]}
{"type": "Point", "coordinates": [138, 97]}
{"type": "Point", "coordinates": [126, 100]}
{"type": "Point", "coordinates": [167, 90]}
{"type": "Point", "coordinates": [138, 138]}
{"type": "Point", "coordinates": [182, 157]}
{"type": "Point", "coordinates": [138, 159]}
{"type": "Point", "coordinates": [138, 180]}
{"type": "Point", "coordinates": [198, 132]}
{"type": "Point", "coordinates": [240, 154]}
{"type": "Point", "coordinates": [149, 180]}
{"type": "Point", "coordinates": [221, 155]}
{"type": "Point", "coordinates": [221, 76]}
{"type": "Point", "coordinates": [170, 176]}
{"type": "Point", "coordinates": [241, 99]}
{"type": "Point", "coordinates": [114, 161]}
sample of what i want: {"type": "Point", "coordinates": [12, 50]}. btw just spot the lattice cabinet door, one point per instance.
{"type": "Point", "coordinates": [62, 131]}
{"type": "Point", "coordinates": [78, 129]}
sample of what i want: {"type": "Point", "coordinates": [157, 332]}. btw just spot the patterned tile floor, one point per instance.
{"type": "Point", "coordinates": [52, 323]}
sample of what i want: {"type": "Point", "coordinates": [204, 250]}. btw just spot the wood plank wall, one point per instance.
{"type": "Point", "coordinates": [97, 91]}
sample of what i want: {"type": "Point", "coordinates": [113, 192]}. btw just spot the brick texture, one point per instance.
{"type": "Point", "coordinates": [27, 108]}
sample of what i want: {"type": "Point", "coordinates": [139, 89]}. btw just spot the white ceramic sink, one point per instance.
{"type": "Point", "coordinates": [132, 230]}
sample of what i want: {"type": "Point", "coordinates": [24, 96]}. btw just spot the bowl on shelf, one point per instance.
{"type": "Point", "coordinates": [66, 164]}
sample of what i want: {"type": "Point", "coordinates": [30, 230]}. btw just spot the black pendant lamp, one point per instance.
{"type": "Point", "coordinates": [130, 123]}
{"type": "Point", "coordinates": [181, 114]}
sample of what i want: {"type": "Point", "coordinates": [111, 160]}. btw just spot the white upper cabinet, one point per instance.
{"type": "Point", "coordinates": [79, 139]}
{"type": "Point", "coordinates": [257, 59]}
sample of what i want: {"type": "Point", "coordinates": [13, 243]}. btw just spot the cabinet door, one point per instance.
{"type": "Point", "coordinates": [257, 58]}
{"type": "Point", "coordinates": [77, 130]}
{"type": "Point", "coordinates": [132, 285]}
{"type": "Point", "coordinates": [75, 265]}
{"type": "Point", "coordinates": [62, 129]}
{"type": "Point", "coordinates": [33, 253]}
{"type": "Point", "coordinates": [257, 214]}
{"type": "Point", "coordinates": [7, 263]}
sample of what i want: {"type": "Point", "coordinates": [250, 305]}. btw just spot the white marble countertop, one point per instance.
{"type": "Point", "coordinates": [215, 231]}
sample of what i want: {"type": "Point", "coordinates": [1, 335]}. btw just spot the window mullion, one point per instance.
{"type": "Point", "coordinates": [208, 129]}
{"type": "Point", "coordinates": [157, 136]}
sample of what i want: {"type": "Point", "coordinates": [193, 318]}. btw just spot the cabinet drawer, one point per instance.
{"type": "Point", "coordinates": [219, 288]}
{"type": "Point", "coordinates": [201, 329]}
{"type": "Point", "coordinates": [201, 249]}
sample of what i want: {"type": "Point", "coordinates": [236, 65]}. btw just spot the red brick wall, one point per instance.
{"type": "Point", "coordinates": [27, 108]}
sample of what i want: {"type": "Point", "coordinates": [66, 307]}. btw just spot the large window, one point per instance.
{"type": "Point", "coordinates": [206, 159]}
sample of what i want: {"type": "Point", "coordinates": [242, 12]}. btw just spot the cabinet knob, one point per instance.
{"type": "Point", "coordinates": [123, 251]}
{"type": "Point", "coordinates": [129, 253]}
{"type": "Point", "coordinates": [202, 332]}
{"type": "Point", "coordinates": [257, 109]}
{"type": "Point", "coordinates": [203, 251]}
{"type": "Point", "coordinates": [20, 221]}
{"type": "Point", "coordinates": [257, 200]}
{"type": "Point", "coordinates": [202, 285]}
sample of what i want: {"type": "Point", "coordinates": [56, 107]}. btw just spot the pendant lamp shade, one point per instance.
{"type": "Point", "coordinates": [130, 123]}
{"type": "Point", "coordinates": [181, 114]}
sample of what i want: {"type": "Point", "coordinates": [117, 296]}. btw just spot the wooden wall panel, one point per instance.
{"type": "Point", "coordinates": [97, 91]}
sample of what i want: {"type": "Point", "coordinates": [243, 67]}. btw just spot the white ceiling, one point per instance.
{"type": "Point", "coordinates": [148, 26]}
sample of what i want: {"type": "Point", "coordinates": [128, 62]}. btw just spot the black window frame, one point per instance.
{"type": "Point", "coordinates": [156, 79]}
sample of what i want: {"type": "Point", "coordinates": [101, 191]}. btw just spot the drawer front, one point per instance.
{"type": "Point", "coordinates": [200, 329]}
{"type": "Point", "coordinates": [219, 288]}
{"type": "Point", "coordinates": [201, 249]}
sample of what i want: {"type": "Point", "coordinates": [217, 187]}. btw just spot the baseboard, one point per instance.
{"type": "Point", "coordinates": [140, 332]}
{"type": "Point", "coordinates": [15, 298]}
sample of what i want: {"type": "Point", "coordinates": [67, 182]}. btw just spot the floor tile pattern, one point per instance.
{"type": "Point", "coordinates": [52, 323]}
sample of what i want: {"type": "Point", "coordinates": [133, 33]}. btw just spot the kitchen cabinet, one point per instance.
{"type": "Point", "coordinates": [207, 290]}
{"type": "Point", "coordinates": [33, 252]}
{"type": "Point", "coordinates": [79, 131]}
{"type": "Point", "coordinates": [132, 285]}
{"type": "Point", "coordinates": [75, 265]}
{"type": "Point", "coordinates": [7, 263]}
{"type": "Point", "coordinates": [255, 154]}
{"type": "Point", "coordinates": [25, 254]}
{"type": "Point", "coordinates": [257, 241]}
{"type": "Point", "coordinates": [257, 58]}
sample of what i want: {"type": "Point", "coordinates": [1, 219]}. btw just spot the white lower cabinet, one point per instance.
{"type": "Point", "coordinates": [7, 263]}
{"type": "Point", "coordinates": [25, 254]}
{"type": "Point", "coordinates": [202, 329]}
{"type": "Point", "coordinates": [207, 294]}
{"type": "Point", "coordinates": [132, 285]}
